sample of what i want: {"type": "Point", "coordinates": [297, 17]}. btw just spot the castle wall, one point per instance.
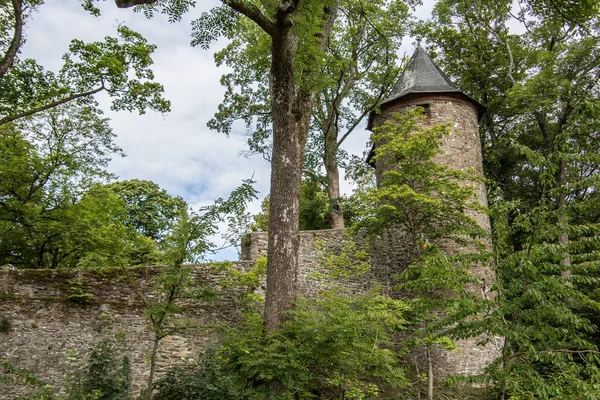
{"type": "Point", "coordinates": [45, 325]}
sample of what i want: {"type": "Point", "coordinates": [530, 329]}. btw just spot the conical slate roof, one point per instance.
{"type": "Point", "coordinates": [421, 75]}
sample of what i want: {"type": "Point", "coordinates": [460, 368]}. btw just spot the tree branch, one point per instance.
{"type": "Point", "coordinates": [253, 13]}
{"type": "Point", "coordinates": [56, 103]}
{"type": "Point", "coordinates": [11, 53]}
{"type": "Point", "coordinates": [133, 3]}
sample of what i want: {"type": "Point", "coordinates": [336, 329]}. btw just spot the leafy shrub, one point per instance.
{"type": "Point", "coordinates": [106, 375]}
{"type": "Point", "coordinates": [205, 379]}
{"type": "Point", "coordinates": [333, 346]}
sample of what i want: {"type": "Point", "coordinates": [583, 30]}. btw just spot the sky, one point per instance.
{"type": "Point", "coordinates": [175, 150]}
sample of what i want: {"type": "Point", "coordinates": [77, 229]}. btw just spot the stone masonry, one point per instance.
{"type": "Point", "coordinates": [423, 84]}
{"type": "Point", "coordinates": [45, 326]}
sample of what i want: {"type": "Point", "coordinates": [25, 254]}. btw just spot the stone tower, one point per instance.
{"type": "Point", "coordinates": [424, 84]}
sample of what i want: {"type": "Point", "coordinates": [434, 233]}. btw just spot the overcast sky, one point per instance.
{"type": "Point", "coordinates": [175, 150]}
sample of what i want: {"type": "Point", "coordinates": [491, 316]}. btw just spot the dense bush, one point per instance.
{"type": "Point", "coordinates": [205, 379]}
{"type": "Point", "coordinates": [106, 375]}
{"type": "Point", "coordinates": [331, 347]}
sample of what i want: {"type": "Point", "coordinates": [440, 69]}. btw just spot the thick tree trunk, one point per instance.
{"type": "Point", "coordinates": [286, 172]}
{"type": "Point", "coordinates": [291, 119]}
{"type": "Point", "coordinates": [333, 178]}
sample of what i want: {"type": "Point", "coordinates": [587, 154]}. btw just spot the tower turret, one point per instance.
{"type": "Point", "coordinates": [424, 84]}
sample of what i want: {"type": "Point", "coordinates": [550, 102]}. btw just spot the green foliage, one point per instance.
{"type": "Point", "coordinates": [189, 239]}
{"type": "Point", "coordinates": [314, 206]}
{"type": "Point", "coordinates": [549, 350]}
{"type": "Point", "coordinates": [150, 210]}
{"type": "Point", "coordinates": [120, 66]}
{"type": "Point", "coordinates": [331, 346]}
{"type": "Point", "coordinates": [54, 210]}
{"type": "Point", "coordinates": [173, 9]}
{"type": "Point", "coordinates": [234, 277]}
{"type": "Point", "coordinates": [314, 209]}
{"type": "Point", "coordinates": [205, 379]}
{"type": "Point", "coordinates": [78, 294]}
{"type": "Point", "coordinates": [40, 389]}
{"type": "Point", "coordinates": [540, 138]}
{"type": "Point", "coordinates": [46, 168]}
{"type": "Point", "coordinates": [351, 262]}
{"type": "Point", "coordinates": [106, 375]}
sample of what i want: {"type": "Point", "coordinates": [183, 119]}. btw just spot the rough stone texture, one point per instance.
{"type": "Point", "coordinates": [314, 246]}
{"type": "Point", "coordinates": [461, 150]}
{"type": "Point", "coordinates": [46, 325]}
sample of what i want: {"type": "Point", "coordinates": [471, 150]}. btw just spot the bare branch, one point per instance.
{"type": "Point", "coordinates": [56, 103]}
{"type": "Point", "coordinates": [11, 53]}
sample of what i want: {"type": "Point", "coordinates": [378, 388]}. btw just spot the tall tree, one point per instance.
{"type": "Point", "coordinates": [357, 70]}
{"type": "Point", "coordinates": [540, 150]}
{"type": "Point", "coordinates": [299, 33]}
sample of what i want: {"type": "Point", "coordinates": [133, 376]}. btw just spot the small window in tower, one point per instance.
{"type": "Point", "coordinates": [426, 109]}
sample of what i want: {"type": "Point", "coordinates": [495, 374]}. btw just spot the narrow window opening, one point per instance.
{"type": "Point", "coordinates": [426, 109]}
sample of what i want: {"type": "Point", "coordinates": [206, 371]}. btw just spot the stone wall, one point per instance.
{"type": "Point", "coordinates": [46, 325]}
{"type": "Point", "coordinates": [314, 245]}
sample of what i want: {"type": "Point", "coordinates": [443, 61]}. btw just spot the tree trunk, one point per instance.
{"type": "Point", "coordinates": [333, 178]}
{"type": "Point", "coordinates": [148, 394]}
{"type": "Point", "coordinates": [286, 173]}
{"type": "Point", "coordinates": [563, 223]}
{"type": "Point", "coordinates": [291, 114]}
{"type": "Point", "coordinates": [429, 376]}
